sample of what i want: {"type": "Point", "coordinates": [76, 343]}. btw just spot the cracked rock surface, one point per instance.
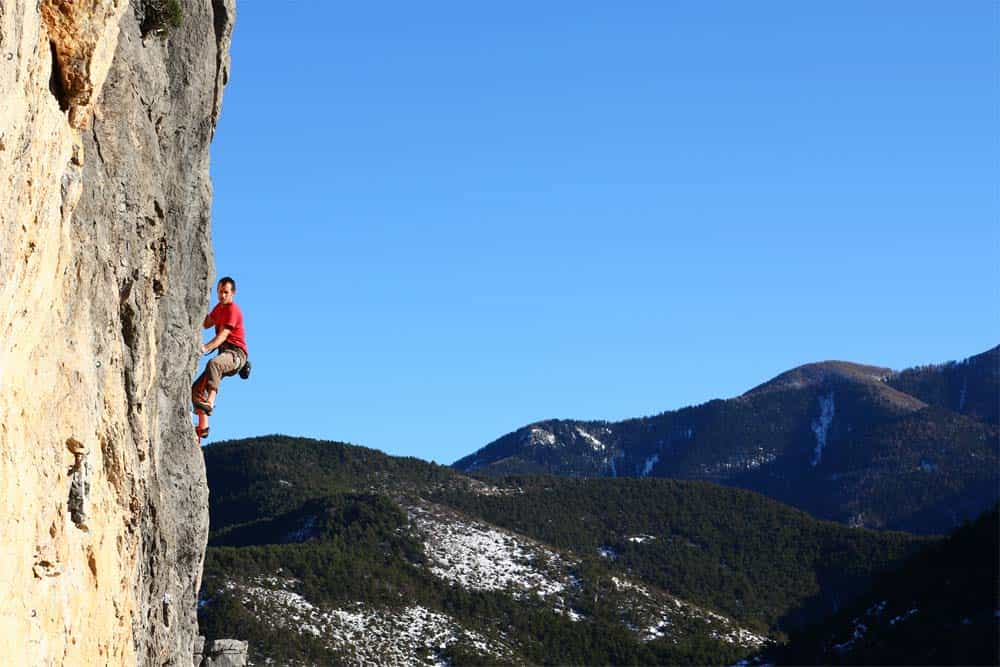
{"type": "Point", "coordinates": [105, 270]}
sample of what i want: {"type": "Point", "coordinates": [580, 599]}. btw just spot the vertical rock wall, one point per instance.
{"type": "Point", "coordinates": [105, 270]}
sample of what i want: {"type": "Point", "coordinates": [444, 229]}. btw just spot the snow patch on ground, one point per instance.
{"type": "Point", "coordinates": [607, 552]}
{"type": "Point", "coordinates": [626, 585]}
{"type": "Point", "coordinates": [479, 557]}
{"type": "Point", "coordinates": [650, 463]}
{"type": "Point", "coordinates": [740, 637]}
{"type": "Point", "coordinates": [821, 426]}
{"type": "Point", "coordinates": [596, 444]}
{"type": "Point", "coordinates": [411, 635]}
{"type": "Point", "coordinates": [539, 436]}
{"type": "Point", "coordinates": [475, 556]}
{"type": "Point", "coordinates": [860, 629]}
{"type": "Point", "coordinates": [481, 488]}
{"type": "Point", "coordinates": [657, 613]}
{"type": "Point", "coordinates": [872, 616]}
{"type": "Point", "coordinates": [570, 614]}
{"type": "Point", "coordinates": [748, 461]}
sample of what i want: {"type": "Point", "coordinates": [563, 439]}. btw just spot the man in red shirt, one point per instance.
{"type": "Point", "coordinates": [230, 341]}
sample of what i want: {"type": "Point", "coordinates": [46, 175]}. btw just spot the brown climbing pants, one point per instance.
{"type": "Point", "coordinates": [228, 362]}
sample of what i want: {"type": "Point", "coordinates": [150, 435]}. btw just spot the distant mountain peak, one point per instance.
{"type": "Point", "coordinates": [840, 439]}
{"type": "Point", "coordinates": [820, 373]}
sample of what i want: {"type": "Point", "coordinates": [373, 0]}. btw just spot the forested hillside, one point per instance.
{"type": "Point", "coordinates": [843, 441]}
{"type": "Point", "coordinates": [968, 387]}
{"type": "Point", "coordinates": [328, 552]}
{"type": "Point", "coordinates": [733, 550]}
{"type": "Point", "coordinates": [941, 607]}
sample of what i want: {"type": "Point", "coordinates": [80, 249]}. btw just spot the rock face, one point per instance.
{"type": "Point", "coordinates": [105, 270]}
{"type": "Point", "coordinates": [221, 653]}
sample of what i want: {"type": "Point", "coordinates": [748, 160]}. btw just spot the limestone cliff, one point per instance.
{"type": "Point", "coordinates": [106, 115]}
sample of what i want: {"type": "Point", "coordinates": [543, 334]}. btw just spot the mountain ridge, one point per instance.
{"type": "Point", "coordinates": [824, 430]}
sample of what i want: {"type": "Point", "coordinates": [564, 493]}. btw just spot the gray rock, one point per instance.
{"type": "Point", "coordinates": [225, 653]}
{"type": "Point", "coordinates": [79, 489]}
{"type": "Point", "coordinates": [146, 206]}
{"type": "Point", "coordinates": [105, 275]}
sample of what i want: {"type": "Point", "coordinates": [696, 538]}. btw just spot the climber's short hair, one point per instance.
{"type": "Point", "coordinates": [227, 279]}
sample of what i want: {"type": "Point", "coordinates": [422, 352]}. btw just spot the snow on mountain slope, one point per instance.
{"type": "Point", "coordinates": [821, 426]}
{"type": "Point", "coordinates": [653, 615]}
{"type": "Point", "coordinates": [539, 436]}
{"type": "Point", "coordinates": [649, 464]}
{"type": "Point", "coordinates": [835, 439]}
{"type": "Point", "coordinates": [412, 635]}
{"type": "Point", "coordinates": [478, 556]}
{"type": "Point", "coordinates": [594, 442]}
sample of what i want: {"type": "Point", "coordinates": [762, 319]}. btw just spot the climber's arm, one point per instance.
{"type": "Point", "coordinates": [207, 323]}
{"type": "Point", "coordinates": [219, 339]}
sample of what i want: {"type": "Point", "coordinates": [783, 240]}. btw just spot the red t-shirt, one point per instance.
{"type": "Point", "coordinates": [229, 316]}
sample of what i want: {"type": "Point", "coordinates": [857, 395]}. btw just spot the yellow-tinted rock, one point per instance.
{"type": "Point", "coordinates": [105, 269]}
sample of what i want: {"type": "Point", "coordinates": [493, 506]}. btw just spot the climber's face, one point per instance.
{"type": "Point", "coordinates": [225, 293]}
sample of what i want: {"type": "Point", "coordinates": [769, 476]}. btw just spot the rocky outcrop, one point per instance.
{"type": "Point", "coordinates": [221, 653]}
{"type": "Point", "coordinates": [105, 271]}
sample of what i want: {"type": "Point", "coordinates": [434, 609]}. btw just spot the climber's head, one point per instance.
{"type": "Point", "coordinates": [226, 290]}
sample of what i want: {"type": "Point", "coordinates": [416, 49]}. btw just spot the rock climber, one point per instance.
{"type": "Point", "coordinates": [230, 341]}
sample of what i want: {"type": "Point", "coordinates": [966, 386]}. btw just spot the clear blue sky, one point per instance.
{"type": "Point", "coordinates": [450, 219]}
